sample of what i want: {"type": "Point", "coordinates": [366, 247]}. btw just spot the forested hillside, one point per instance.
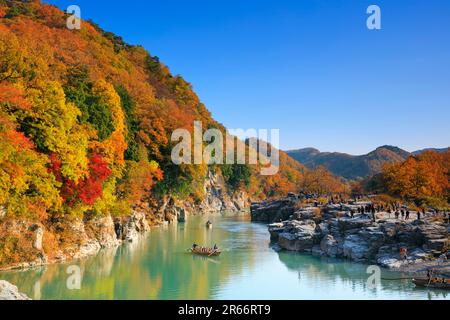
{"type": "Point", "coordinates": [350, 166]}
{"type": "Point", "coordinates": [422, 179]}
{"type": "Point", "coordinates": [86, 121]}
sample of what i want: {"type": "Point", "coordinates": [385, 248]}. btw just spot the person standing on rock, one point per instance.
{"type": "Point", "coordinates": [407, 214]}
{"type": "Point", "coordinates": [403, 214]}
{"type": "Point", "coordinates": [403, 254]}
{"type": "Point", "coordinates": [396, 214]}
{"type": "Point", "coordinates": [418, 215]}
{"type": "Point", "coordinates": [373, 211]}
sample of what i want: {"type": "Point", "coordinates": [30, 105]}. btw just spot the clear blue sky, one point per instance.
{"type": "Point", "coordinates": [310, 68]}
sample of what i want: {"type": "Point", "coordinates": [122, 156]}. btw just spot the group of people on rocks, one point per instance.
{"type": "Point", "coordinates": [400, 212]}
{"type": "Point", "coordinates": [371, 209]}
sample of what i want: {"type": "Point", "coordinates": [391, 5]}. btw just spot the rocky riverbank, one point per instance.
{"type": "Point", "coordinates": [66, 239]}
{"type": "Point", "coordinates": [30, 244]}
{"type": "Point", "coordinates": [11, 292]}
{"type": "Point", "coordinates": [331, 231]}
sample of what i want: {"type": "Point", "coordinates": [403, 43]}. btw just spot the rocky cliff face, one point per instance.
{"type": "Point", "coordinates": [334, 233]}
{"type": "Point", "coordinates": [217, 199]}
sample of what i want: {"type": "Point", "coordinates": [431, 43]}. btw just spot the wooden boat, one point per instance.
{"type": "Point", "coordinates": [205, 251]}
{"type": "Point", "coordinates": [435, 283]}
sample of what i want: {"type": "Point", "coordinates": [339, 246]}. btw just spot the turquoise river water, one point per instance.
{"type": "Point", "coordinates": [159, 267]}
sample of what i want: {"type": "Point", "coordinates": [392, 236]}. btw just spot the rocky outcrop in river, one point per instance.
{"type": "Point", "coordinates": [331, 231]}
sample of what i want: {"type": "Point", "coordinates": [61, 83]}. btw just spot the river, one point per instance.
{"type": "Point", "coordinates": [159, 267]}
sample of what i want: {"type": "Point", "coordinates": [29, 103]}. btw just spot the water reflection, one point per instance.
{"type": "Point", "coordinates": [159, 267]}
{"type": "Point", "coordinates": [323, 272]}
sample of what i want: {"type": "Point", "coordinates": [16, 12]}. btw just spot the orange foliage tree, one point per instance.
{"type": "Point", "coordinates": [419, 177]}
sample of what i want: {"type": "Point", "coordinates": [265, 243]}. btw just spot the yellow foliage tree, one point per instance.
{"type": "Point", "coordinates": [53, 125]}
{"type": "Point", "coordinates": [26, 186]}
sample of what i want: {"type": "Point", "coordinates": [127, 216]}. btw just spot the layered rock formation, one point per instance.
{"type": "Point", "coordinates": [333, 232]}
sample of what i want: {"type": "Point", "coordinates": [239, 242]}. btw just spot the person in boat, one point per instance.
{"type": "Point", "coordinates": [194, 246]}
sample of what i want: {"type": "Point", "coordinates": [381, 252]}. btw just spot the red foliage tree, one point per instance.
{"type": "Point", "coordinates": [14, 96]}
{"type": "Point", "coordinates": [86, 190]}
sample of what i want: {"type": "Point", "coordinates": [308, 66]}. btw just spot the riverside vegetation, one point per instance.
{"type": "Point", "coordinates": [418, 188]}
{"type": "Point", "coordinates": [85, 154]}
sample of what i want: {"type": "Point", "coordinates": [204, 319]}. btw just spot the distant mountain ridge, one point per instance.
{"type": "Point", "coordinates": [350, 166]}
{"type": "Point", "coordinates": [440, 150]}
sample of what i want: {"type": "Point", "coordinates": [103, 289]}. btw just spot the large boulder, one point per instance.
{"type": "Point", "coordinates": [134, 226]}
{"type": "Point", "coordinates": [10, 292]}
{"type": "Point", "coordinates": [38, 235]}
{"type": "Point", "coordinates": [364, 245]}
{"type": "Point", "coordinates": [389, 262]}
{"type": "Point", "coordinates": [102, 229]}
{"type": "Point", "coordinates": [298, 236]}
{"type": "Point", "coordinates": [273, 211]}
{"type": "Point", "coordinates": [356, 248]}
{"type": "Point", "coordinates": [434, 237]}
{"type": "Point", "coordinates": [331, 247]}
{"type": "Point", "coordinates": [181, 214]}
{"type": "Point", "coordinates": [275, 229]}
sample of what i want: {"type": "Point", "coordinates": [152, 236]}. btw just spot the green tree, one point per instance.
{"type": "Point", "coordinates": [129, 108]}
{"type": "Point", "coordinates": [78, 90]}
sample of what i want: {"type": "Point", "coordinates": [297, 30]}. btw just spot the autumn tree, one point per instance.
{"type": "Point", "coordinates": [26, 188]}
{"type": "Point", "coordinates": [420, 178]}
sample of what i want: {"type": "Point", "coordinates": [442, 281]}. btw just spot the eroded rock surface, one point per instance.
{"type": "Point", "coordinates": [11, 292]}
{"type": "Point", "coordinates": [334, 232]}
